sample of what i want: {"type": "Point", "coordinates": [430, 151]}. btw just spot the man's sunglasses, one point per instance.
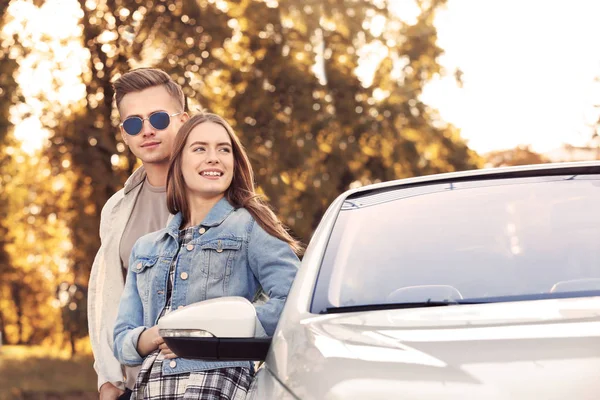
{"type": "Point", "coordinates": [159, 120]}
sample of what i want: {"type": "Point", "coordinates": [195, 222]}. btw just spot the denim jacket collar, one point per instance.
{"type": "Point", "coordinates": [215, 217]}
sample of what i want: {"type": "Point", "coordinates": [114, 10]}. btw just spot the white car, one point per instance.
{"type": "Point", "coordinates": [474, 285]}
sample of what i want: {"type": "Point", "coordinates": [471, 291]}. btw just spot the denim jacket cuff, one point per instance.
{"type": "Point", "coordinates": [130, 353]}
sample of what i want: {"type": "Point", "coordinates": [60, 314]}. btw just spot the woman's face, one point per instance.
{"type": "Point", "coordinates": [207, 161]}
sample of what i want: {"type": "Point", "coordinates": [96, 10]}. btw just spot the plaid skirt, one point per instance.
{"type": "Point", "coordinates": [216, 384]}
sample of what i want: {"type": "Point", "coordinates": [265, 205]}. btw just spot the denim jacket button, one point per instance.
{"type": "Point", "coordinates": [190, 247]}
{"type": "Point", "coordinates": [184, 275]}
{"type": "Point", "coordinates": [202, 230]}
{"type": "Point", "coordinates": [139, 266]}
{"type": "Point", "coordinates": [173, 364]}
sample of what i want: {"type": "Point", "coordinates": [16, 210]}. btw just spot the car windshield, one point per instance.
{"type": "Point", "coordinates": [461, 242]}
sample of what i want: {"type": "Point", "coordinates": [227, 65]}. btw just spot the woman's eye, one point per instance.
{"type": "Point", "coordinates": [197, 149]}
{"type": "Point", "coordinates": [225, 150]}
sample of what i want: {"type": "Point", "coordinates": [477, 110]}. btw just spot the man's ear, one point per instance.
{"type": "Point", "coordinates": [124, 135]}
{"type": "Point", "coordinates": [184, 117]}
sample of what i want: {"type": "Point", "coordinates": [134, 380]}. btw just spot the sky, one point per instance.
{"type": "Point", "coordinates": [529, 69]}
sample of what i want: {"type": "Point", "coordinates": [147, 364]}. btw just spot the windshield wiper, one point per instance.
{"type": "Point", "coordinates": [395, 306]}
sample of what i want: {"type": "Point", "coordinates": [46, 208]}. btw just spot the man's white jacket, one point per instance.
{"type": "Point", "coordinates": [106, 284]}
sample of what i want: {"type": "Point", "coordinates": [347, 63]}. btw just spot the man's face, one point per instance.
{"type": "Point", "coordinates": [151, 145]}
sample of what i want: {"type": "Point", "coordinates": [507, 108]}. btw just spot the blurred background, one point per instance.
{"type": "Point", "coordinates": [326, 95]}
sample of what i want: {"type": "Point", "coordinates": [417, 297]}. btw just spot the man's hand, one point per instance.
{"type": "Point", "coordinates": [165, 351]}
{"type": "Point", "coordinates": [108, 391]}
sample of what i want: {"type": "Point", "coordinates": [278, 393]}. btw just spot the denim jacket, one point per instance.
{"type": "Point", "coordinates": [230, 255]}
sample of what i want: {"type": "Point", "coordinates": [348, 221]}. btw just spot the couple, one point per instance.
{"type": "Point", "coordinates": [188, 226]}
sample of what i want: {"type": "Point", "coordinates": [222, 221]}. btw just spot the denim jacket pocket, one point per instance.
{"type": "Point", "coordinates": [220, 256]}
{"type": "Point", "coordinates": [142, 270]}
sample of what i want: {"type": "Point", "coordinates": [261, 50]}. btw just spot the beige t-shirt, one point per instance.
{"type": "Point", "coordinates": [149, 214]}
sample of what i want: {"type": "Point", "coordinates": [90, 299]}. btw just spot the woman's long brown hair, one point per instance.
{"type": "Point", "coordinates": [240, 193]}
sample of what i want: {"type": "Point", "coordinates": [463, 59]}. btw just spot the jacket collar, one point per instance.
{"type": "Point", "coordinates": [218, 213]}
{"type": "Point", "coordinates": [135, 179]}
{"type": "Point", "coordinates": [215, 217]}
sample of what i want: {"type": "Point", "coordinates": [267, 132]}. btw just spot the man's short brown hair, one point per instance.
{"type": "Point", "coordinates": [143, 78]}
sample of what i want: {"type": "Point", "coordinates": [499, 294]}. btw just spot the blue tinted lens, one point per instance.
{"type": "Point", "coordinates": [160, 120]}
{"type": "Point", "coordinates": [133, 125]}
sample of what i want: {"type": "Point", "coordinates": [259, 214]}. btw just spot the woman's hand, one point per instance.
{"type": "Point", "coordinates": [146, 340]}
{"type": "Point", "coordinates": [164, 349]}
{"type": "Point", "coordinates": [150, 340]}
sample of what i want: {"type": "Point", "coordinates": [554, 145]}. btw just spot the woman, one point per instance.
{"type": "Point", "coordinates": [222, 241]}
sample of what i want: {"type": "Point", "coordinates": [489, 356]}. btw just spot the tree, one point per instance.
{"type": "Point", "coordinates": [32, 237]}
{"type": "Point", "coordinates": [38, 245]}
{"type": "Point", "coordinates": [253, 63]}
{"type": "Point", "coordinates": [520, 155]}
{"type": "Point", "coordinates": [73, 305]}
{"type": "Point", "coordinates": [8, 97]}
{"type": "Point", "coordinates": [85, 148]}
{"type": "Point", "coordinates": [312, 137]}
{"type": "Point", "coordinates": [283, 73]}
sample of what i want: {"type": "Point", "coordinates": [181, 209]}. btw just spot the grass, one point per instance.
{"type": "Point", "coordinates": [35, 372]}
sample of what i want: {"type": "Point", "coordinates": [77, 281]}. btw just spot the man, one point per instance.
{"type": "Point", "coordinates": [151, 107]}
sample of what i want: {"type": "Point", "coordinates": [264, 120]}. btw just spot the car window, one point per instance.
{"type": "Point", "coordinates": [479, 241]}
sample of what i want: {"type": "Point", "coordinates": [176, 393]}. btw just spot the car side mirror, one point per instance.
{"type": "Point", "coordinates": [219, 329]}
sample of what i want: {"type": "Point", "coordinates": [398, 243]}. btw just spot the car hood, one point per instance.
{"type": "Point", "coordinates": [546, 349]}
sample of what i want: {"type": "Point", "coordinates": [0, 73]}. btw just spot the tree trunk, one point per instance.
{"type": "Point", "coordinates": [2, 328]}
{"type": "Point", "coordinates": [72, 340]}
{"type": "Point", "coordinates": [15, 289]}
